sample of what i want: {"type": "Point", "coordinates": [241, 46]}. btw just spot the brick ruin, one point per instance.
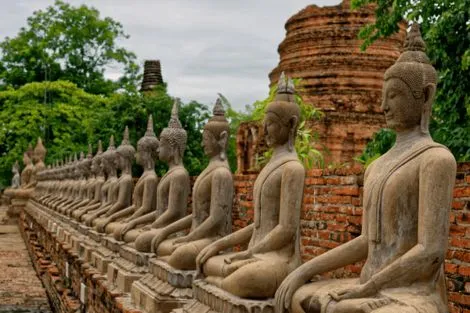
{"type": "Point", "coordinates": [321, 48]}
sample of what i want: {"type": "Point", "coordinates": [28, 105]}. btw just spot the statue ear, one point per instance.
{"type": "Point", "coordinates": [293, 122]}
{"type": "Point", "coordinates": [429, 92]}
{"type": "Point", "coordinates": [223, 137]}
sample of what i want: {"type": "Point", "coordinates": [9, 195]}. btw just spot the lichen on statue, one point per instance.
{"type": "Point", "coordinates": [172, 190]}
{"type": "Point", "coordinates": [405, 224]}
{"type": "Point", "coordinates": [273, 238]}
{"type": "Point", "coordinates": [144, 195]}
{"type": "Point", "coordinates": [211, 202]}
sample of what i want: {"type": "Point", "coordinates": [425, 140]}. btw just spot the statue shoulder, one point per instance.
{"type": "Point", "coordinates": [439, 157]}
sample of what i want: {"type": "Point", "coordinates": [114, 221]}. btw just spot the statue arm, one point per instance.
{"type": "Point", "coordinates": [148, 198]}
{"type": "Point", "coordinates": [177, 201]}
{"type": "Point", "coordinates": [144, 219]}
{"type": "Point", "coordinates": [221, 198]}
{"type": "Point", "coordinates": [292, 188]}
{"type": "Point", "coordinates": [124, 195]}
{"type": "Point", "coordinates": [436, 181]}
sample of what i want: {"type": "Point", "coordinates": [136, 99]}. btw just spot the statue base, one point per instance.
{"type": "Point", "coordinates": [209, 298]}
{"type": "Point", "coordinates": [163, 289]}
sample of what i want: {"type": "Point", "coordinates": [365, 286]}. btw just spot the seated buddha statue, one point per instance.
{"type": "Point", "coordinates": [122, 190]}
{"type": "Point", "coordinates": [143, 198]}
{"type": "Point", "coordinates": [109, 188]}
{"type": "Point", "coordinates": [405, 224]}
{"type": "Point", "coordinates": [87, 188]}
{"type": "Point", "coordinates": [76, 185]}
{"type": "Point", "coordinates": [16, 180]}
{"type": "Point", "coordinates": [212, 201]}
{"type": "Point", "coordinates": [25, 176]}
{"type": "Point", "coordinates": [172, 190]}
{"type": "Point", "coordinates": [71, 183]}
{"type": "Point", "coordinates": [273, 238]}
{"type": "Point", "coordinates": [96, 186]}
{"type": "Point", "coordinates": [39, 155]}
{"type": "Point", "coordinates": [84, 169]}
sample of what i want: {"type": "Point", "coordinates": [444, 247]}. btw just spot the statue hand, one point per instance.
{"type": "Point", "coordinates": [243, 255]}
{"type": "Point", "coordinates": [354, 292]}
{"type": "Point", "coordinates": [180, 240]}
{"type": "Point", "coordinates": [205, 254]}
{"type": "Point", "coordinates": [285, 292]}
{"type": "Point", "coordinates": [156, 241]}
{"type": "Point", "coordinates": [125, 229]}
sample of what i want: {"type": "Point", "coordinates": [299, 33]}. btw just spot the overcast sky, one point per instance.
{"type": "Point", "coordinates": [205, 46]}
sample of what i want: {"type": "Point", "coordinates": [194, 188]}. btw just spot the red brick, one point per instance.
{"type": "Point", "coordinates": [346, 191]}
{"type": "Point", "coordinates": [460, 192]}
{"type": "Point", "coordinates": [309, 181]}
{"type": "Point", "coordinates": [459, 298]}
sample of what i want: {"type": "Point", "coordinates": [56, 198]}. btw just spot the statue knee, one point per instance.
{"type": "Point", "coordinates": [143, 242]}
{"type": "Point", "coordinates": [184, 257]}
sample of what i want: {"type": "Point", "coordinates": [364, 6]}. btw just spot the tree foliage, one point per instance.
{"type": "Point", "coordinates": [445, 25]}
{"type": "Point", "coordinates": [64, 42]}
{"type": "Point", "coordinates": [69, 118]}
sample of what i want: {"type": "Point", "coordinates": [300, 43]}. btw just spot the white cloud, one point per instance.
{"type": "Point", "coordinates": [205, 46]}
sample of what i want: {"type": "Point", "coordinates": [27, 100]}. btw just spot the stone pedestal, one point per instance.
{"type": "Point", "coordinates": [209, 298]}
{"type": "Point", "coordinates": [129, 267]}
{"type": "Point", "coordinates": [163, 288]}
{"type": "Point", "coordinates": [16, 206]}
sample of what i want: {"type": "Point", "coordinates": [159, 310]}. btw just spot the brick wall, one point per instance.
{"type": "Point", "coordinates": [331, 215]}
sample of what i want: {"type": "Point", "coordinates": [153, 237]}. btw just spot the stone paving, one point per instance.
{"type": "Point", "coordinates": [20, 288]}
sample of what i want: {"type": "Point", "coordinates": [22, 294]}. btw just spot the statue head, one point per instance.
{"type": "Point", "coordinates": [26, 159]}
{"type": "Point", "coordinates": [16, 168]}
{"type": "Point", "coordinates": [410, 86]}
{"type": "Point", "coordinates": [173, 138]}
{"type": "Point", "coordinates": [216, 132]}
{"type": "Point", "coordinates": [85, 164]}
{"type": "Point", "coordinates": [125, 152]}
{"type": "Point", "coordinates": [39, 151]}
{"type": "Point", "coordinates": [147, 146]}
{"type": "Point", "coordinates": [108, 161]}
{"type": "Point", "coordinates": [96, 161]}
{"type": "Point", "coordinates": [282, 115]}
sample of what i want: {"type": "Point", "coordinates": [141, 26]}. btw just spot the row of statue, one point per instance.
{"type": "Point", "coordinates": [407, 197]}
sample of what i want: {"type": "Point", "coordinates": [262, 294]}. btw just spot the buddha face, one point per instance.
{"type": "Point", "coordinates": [142, 156]}
{"type": "Point", "coordinates": [165, 151]}
{"type": "Point", "coordinates": [402, 111]}
{"type": "Point", "coordinates": [275, 132]}
{"type": "Point", "coordinates": [120, 161]}
{"type": "Point", "coordinates": [210, 144]}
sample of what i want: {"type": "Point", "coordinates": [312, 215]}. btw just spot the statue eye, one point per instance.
{"type": "Point", "coordinates": [392, 95]}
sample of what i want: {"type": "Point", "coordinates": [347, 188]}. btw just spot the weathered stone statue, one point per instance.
{"type": "Point", "coordinates": [407, 197]}
{"type": "Point", "coordinates": [124, 185]}
{"type": "Point", "coordinates": [172, 190]}
{"type": "Point", "coordinates": [84, 172]}
{"type": "Point", "coordinates": [211, 217]}
{"type": "Point", "coordinates": [273, 238]}
{"type": "Point", "coordinates": [75, 184]}
{"type": "Point", "coordinates": [124, 157]}
{"type": "Point", "coordinates": [38, 157]}
{"type": "Point", "coordinates": [16, 180]}
{"type": "Point", "coordinates": [70, 185]}
{"type": "Point", "coordinates": [96, 185]}
{"type": "Point", "coordinates": [109, 189]}
{"type": "Point", "coordinates": [144, 196]}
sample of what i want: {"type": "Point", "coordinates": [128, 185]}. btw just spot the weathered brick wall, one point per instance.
{"type": "Point", "coordinates": [332, 212]}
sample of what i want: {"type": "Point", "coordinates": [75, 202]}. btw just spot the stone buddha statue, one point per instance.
{"type": "Point", "coordinates": [25, 177]}
{"type": "Point", "coordinates": [172, 190]}
{"type": "Point", "coordinates": [109, 189]}
{"type": "Point", "coordinates": [405, 225]}
{"type": "Point", "coordinates": [71, 184]}
{"type": "Point", "coordinates": [273, 238]}
{"type": "Point", "coordinates": [84, 170]}
{"type": "Point", "coordinates": [211, 217]}
{"type": "Point", "coordinates": [63, 183]}
{"type": "Point", "coordinates": [123, 188]}
{"type": "Point", "coordinates": [144, 196]}
{"type": "Point", "coordinates": [95, 187]}
{"type": "Point", "coordinates": [87, 189]}
{"type": "Point", "coordinates": [39, 155]}
{"type": "Point", "coordinates": [16, 180]}
{"type": "Point", "coordinates": [76, 184]}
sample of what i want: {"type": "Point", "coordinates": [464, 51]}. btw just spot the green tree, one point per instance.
{"type": "Point", "coordinates": [132, 109]}
{"type": "Point", "coordinates": [64, 42]}
{"type": "Point", "coordinates": [445, 26]}
{"type": "Point", "coordinates": [64, 121]}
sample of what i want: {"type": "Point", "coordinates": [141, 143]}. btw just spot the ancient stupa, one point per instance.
{"type": "Point", "coordinates": [152, 75]}
{"type": "Point", "coordinates": [322, 48]}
